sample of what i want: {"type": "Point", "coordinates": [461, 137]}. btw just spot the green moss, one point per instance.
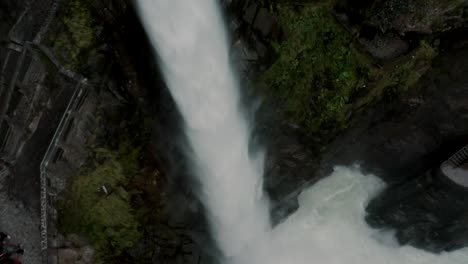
{"type": "Point", "coordinates": [108, 220]}
{"type": "Point", "coordinates": [400, 76]}
{"type": "Point", "coordinates": [322, 78]}
{"type": "Point", "coordinates": [317, 72]}
{"type": "Point", "coordinates": [80, 25]}
{"type": "Point", "coordinates": [114, 222]}
{"type": "Point", "coordinates": [75, 34]}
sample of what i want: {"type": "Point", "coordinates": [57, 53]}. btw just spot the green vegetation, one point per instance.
{"type": "Point", "coordinates": [108, 220]}
{"type": "Point", "coordinates": [401, 75]}
{"type": "Point", "coordinates": [321, 76]}
{"type": "Point", "coordinates": [80, 25]}
{"type": "Point", "coordinates": [74, 37]}
{"type": "Point", "coordinates": [317, 72]}
{"type": "Point", "coordinates": [116, 221]}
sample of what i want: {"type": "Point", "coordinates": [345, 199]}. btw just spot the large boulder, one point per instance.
{"type": "Point", "coordinates": [427, 213]}
{"type": "Point", "coordinates": [404, 143]}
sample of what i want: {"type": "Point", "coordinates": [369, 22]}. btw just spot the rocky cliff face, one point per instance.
{"type": "Point", "coordinates": [397, 138]}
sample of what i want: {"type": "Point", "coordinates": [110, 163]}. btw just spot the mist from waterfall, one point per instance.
{"type": "Point", "coordinates": [329, 227]}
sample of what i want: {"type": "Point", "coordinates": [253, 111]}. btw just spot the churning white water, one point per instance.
{"type": "Point", "coordinates": [328, 228]}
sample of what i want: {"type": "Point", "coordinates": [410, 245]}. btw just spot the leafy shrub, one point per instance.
{"type": "Point", "coordinates": [108, 220]}
{"type": "Point", "coordinates": [75, 33]}
{"type": "Point", "coordinates": [317, 72]}
{"type": "Point", "coordinates": [322, 77]}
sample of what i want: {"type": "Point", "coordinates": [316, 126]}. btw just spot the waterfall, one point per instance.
{"type": "Point", "coordinates": [192, 45]}
{"type": "Point", "coordinates": [329, 226]}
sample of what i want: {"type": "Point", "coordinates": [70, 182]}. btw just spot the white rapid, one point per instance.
{"type": "Point", "coordinates": [191, 42]}
{"type": "Point", "coordinates": [328, 228]}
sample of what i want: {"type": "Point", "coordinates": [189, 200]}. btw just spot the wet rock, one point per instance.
{"type": "Point", "coordinates": [264, 22]}
{"type": "Point", "coordinates": [260, 48]}
{"type": "Point", "coordinates": [192, 254]}
{"type": "Point", "coordinates": [283, 209]}
{"type": "Point", "coordinates": [427, 213]}
{"type": "Point", "coordinates": [250, 14]}
{"type": "Point", "coordinates": [402, 142]}
{"type": "Point", "coordinates": [243, 57]}
{"type": "Point", "coordinates": [388, 46]}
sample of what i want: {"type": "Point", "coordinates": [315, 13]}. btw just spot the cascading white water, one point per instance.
{"type": "Point", "coordinates": [190, 39]}
{"type": "Point", "coordinates": [329, 226]}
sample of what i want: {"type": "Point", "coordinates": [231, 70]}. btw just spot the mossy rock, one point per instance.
{"type": "Point", "coordinates": [322, 76]}
{"type": "Point", "coordinates": [72, 36]}
{"type": "Point", "coordinates": [317, 72]}
{"type": "Point", "coordinates": [130, 214]}
{"type": "Point", "coordinates": [108, 220]}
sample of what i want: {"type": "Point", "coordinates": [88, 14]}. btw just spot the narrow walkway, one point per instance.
{"type": "Point", "coordinates": [20, 196]}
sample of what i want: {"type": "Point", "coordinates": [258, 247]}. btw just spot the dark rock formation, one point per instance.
{"type": "Point", "coordinates": [402, 142]}
{"type": "Point", "coordinates": [405, 16]}
{"type": "Point", "coordinates": [428, 212]}
{"type": "Point", "coordinates": [418, 131]}
{"type": "Point", "coordinates": [397, 141]}
{"type": "Point", "coordinates": [389, 29]}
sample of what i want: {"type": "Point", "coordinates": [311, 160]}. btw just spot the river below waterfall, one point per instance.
{"type": "Point", "coordinates": [329, 227]}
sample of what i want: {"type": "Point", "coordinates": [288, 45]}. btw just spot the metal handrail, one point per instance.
{"type": "Point", "coordinates": [45, 161]}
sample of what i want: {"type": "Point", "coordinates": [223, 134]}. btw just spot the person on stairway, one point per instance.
{"type": "Point", "coordinates": [7, 249]}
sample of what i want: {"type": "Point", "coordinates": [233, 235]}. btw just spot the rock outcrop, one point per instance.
{"type": "Point", "coordinates": [404, 143]}
{"type": "Point", "coordinates": [389, 29]}
{"type": "Point", "coordinates": [427, 212]}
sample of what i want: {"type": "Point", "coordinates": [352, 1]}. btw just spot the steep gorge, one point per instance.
{"type": "Point", "coordinates": [416, 128]}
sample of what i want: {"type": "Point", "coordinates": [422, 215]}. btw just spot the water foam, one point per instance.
{"type": "Point", "coordinates": [329, 227]}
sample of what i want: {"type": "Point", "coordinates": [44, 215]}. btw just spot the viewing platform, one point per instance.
{"type": "Point", "coordinates": [455, 169]}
